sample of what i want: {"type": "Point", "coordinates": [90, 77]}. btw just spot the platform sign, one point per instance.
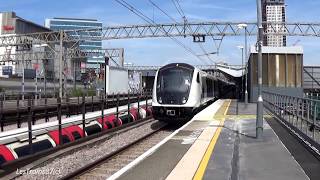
{"type": "Point", "coordinates": [8, 28]}
{"type": "Point", "coordinates": [29, 73]}
{"type": "Point", "coordinates": [7, 70]}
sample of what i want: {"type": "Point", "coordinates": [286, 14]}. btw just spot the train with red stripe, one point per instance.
{"type": "Point", "coordinates": [14, 144]}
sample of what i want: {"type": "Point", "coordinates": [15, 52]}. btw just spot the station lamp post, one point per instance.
{"type": "Point", "coordinates": [241, 47]}
{"type": "Point", "coordinates": [259, 122]}
{"type": "Point", "coordinates": [244, 26]}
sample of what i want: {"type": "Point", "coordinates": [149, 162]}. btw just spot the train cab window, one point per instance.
{"type": "Point", "coordinates": [174, 84]}
{"type": "Point", "coordinates": [198, 77]}
{"type": "Point", "coordinates": [76, 135]}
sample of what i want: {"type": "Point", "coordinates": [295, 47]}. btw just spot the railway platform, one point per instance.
{"type": "Point", "coordinates": [218, 143]}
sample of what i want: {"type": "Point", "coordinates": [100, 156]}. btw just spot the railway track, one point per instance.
{"type": "Point", "coordinates": [73, 161]}
{"type": "Point", "coordinates": [110, 164]}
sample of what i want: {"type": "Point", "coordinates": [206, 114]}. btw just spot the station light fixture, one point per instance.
{"type": "Point", "coordinates": [242, 26]}
{"type": "Point", "coordinates": [240, 47]}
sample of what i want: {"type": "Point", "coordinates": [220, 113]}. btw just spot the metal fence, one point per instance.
{"type": "Point", "coordinates": [17, 112]}
{"type": "Point", "coordinates": [104, 100]}
{"type": "Point", "coordinates": [300, 115]}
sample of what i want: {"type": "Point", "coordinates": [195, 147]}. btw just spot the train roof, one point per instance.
{"type": "Point", "coordinates": [178, 64]}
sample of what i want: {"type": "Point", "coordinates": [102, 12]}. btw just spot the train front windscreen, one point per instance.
{"type": "Point", "coordinates": [173, 85]}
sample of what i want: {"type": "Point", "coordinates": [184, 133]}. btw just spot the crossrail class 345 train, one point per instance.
{"type": "Point", "coordinates": [180, 90]}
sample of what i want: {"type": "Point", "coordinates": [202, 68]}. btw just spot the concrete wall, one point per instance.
{"type": "Point", "coordinates": [282, 71]}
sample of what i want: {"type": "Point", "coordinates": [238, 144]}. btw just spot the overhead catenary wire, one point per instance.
{"type": "Point", "coordinates": [181, 13]}
{"type": "Point", "coordinates": [176, 6]}
{"type": "Point", "coordinates": [152, 22]}
{"type": "Point", "coordinates": [184, 17]}
{"type": "Point", "coordinates": [155, 5]}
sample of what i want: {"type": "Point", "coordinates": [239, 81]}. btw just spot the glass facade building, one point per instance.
{"type": "Point", "coordinates": [57, 24]}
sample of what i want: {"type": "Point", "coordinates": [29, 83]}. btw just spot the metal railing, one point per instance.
{"type": "Point", "coordinates": [104, 104]}
{"type": "Point", "coordinates": [17, 112]}
{"type": "Point", "coordinates": [300, 115]}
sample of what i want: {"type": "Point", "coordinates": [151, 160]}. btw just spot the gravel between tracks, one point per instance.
{"type": "Point", "coordinates": [115, 163]}
{"type": "Point", "coordinates": [61, 166]}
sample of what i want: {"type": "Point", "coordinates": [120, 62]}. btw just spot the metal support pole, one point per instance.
{"type": "Point", "coordinates": [129, 105]}
{"type": "Point", "coordinates": [18, 112]}
{"type": "Point", "coordinates": [45, 77]}
{"type": "Point", "coordinates": [36, 87]}
{"type": "Point", "coordinates": [106, 100]}
{"type": "Point", "coordinates": [59, 121]}
{"type": "Point", "coordinates": [121, 55]}
{"type": "Point", "coordinates": [139, 105]}
{"type": "Point", "coordinates": [1, 112]}
{"type": "Point", "coordinates": [102, 106]}
{"type": "Point", "coordinates": [22, 77]}
{"type": "Point", "coordinates": [259, 122]}
{"type": "Point", "coordinates": [83, 114]}
{"type": "Point", "coordinates": [74, 75]}
{"type": "Point", "coordinates": [60, 64]}
{"type": "Point", "coordinates": [30, 125]}
{"type": "Point", "coordinates": [92, 108]}
{"type": "Point", "coordinates": [246, 69]}
{"type": "Point", "coordinates": [146, 96]}
{"type": "Point", "coordinates": [68, 105]}
{"type": "Point", "coordinates": [242, 74]}
{"type": "Point", "coordinates": [32, 112]}
{"type": "Point", "coordinates": [46, 109]}
{"type": "Point", "coordinates": [117, 111]}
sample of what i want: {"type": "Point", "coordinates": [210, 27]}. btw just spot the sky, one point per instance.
{"type": "Point", "coordinates": [160, 51]}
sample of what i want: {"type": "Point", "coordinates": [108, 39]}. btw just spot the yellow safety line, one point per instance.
{"type": "Point", "coordinates": [205, 160]}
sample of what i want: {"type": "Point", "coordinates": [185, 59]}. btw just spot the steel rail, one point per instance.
{"type": "Point", "coordinates": [101, 160]}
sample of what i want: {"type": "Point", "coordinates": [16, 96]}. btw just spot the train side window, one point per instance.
{"type": "Point", "coordinates": [2, 159]}
{"type": "Point", "coordinates": [65, 139]}
{"type": "Point", "coordinates": [198, 78]}
{"type": "Point", "coordinates": [76, 135]}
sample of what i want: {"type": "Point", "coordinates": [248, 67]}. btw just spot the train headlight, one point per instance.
{"type": "Point", "coordinates": [184, 100]}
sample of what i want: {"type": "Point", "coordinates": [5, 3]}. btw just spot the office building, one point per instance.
{"type": "Point", "coordinates": [10, 65]}
{"type": "Point", "coordinates": [57, 24]}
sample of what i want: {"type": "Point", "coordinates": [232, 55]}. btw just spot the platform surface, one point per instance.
{"type": "Point", "coordinates": [219, 143]}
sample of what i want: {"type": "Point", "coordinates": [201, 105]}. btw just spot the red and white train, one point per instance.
{"type": "Point", "coordinates": [14, 144]}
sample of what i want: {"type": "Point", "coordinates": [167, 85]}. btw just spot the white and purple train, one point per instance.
{"type": "Point", "coordinates": [180, 90]}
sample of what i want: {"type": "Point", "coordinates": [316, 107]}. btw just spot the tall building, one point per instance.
{"type": "Point", "coordinates": [10, 65]}
{"type": "Point", "coordinates": [56, 24]}
{"type": "Point", "coordinates": [274, 11]}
